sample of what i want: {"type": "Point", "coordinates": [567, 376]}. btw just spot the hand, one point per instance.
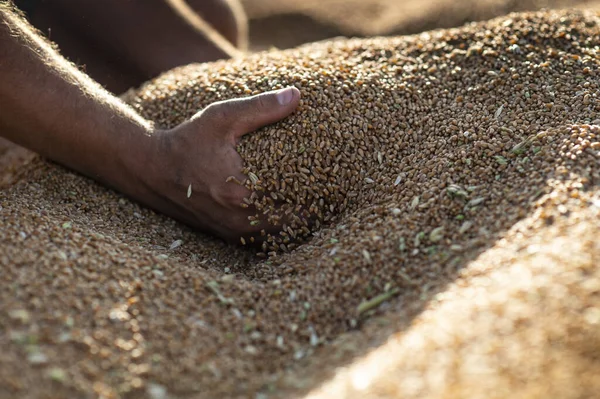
{"type": "Point", "coordinates": [62, 114]}
{"type": "Point", "coordinates": [202, 153]}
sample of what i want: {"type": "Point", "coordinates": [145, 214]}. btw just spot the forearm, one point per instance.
{"type": "Point", "coordinates": [50, 107]}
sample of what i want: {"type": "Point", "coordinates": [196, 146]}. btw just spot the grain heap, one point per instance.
{"type": "Point", "coordinates": [369, 136]}
{"type": "Point", "coordinates": [448, 145]}
{"type": "Point", "coordinates": [280, 22]}
{"type": "Point", "coordinates": [525, 310]}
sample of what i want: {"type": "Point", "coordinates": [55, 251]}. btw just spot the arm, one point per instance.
{"type": "Point", "coordinates": [50, 107]}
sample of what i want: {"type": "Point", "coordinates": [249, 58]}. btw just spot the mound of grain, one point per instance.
{"type": "Point", "coordinates": [470, 143]}
{"type": "Point", "coordinates": [521, 322]}
{"type": "Point", "coordinates": [378, 132]}
{"type": "Point", "coordinates": [288, 23]}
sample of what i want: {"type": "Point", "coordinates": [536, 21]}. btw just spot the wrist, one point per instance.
{"type": "Point", "coordinates": [151, 171]}
{"type": "Point", "coordinates": [137, 151]}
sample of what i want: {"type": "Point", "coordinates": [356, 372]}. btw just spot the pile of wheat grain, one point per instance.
{"type": "Point", "coordinates": [416, 155]}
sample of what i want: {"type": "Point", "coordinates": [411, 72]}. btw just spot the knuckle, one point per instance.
{"type": "Point", "coordinates": [262, 102]}
{"type": "Point", "coordinates": [217, 113]}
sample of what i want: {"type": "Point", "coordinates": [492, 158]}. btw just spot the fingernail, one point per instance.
{"type": "Point", "coordinates": [284, 96]}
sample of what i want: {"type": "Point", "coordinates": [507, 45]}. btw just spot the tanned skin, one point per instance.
{"type": "Point", "coordinates": [52, 108]}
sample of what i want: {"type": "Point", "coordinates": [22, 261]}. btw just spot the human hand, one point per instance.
{"type": "Point", "coordinates": [63, 115]}
{"type": "Point", "coordinates": [201, 153]}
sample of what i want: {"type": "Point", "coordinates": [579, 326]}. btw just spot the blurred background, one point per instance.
{"type": "Point", "coordinates": [288, 23]}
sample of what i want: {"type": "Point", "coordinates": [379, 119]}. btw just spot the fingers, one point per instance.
{"type": "Point", "coordinates": [229, 121]}
{"type": "Point", "coordinates": [245, 115]}
{"type": "Point", "coordinates": [263, 109]}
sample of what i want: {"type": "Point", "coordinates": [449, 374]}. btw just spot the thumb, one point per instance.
{"type": "Point", "coordinates": [254, 112]}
